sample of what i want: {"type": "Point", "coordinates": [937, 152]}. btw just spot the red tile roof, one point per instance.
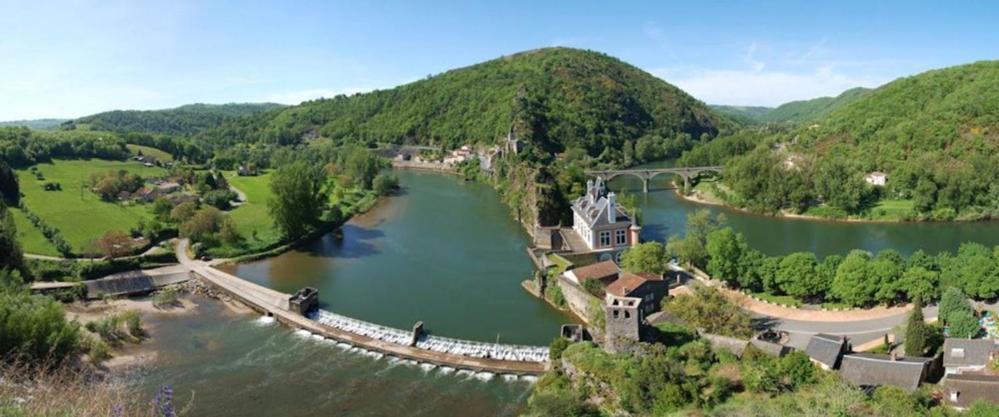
{"type": "Point", "coordinates": [602, 270]}
{"type": "Point", "coordinates": [628, 282]}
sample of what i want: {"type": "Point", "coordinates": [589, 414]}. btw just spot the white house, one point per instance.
{"type": "Point", "coordinates": [600, 222]}
{"type": "Point", "coordinates": [876, 178]}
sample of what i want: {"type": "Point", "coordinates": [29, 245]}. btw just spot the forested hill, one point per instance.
{"type": "Point", "coordinates": [183, 120]}
{"type": "Point", "coordinates": [556, 98]}
{"type": "Point", "coordinates": [792, 112]}
{"type": "Point", "coordinates": [806, 111]}
{"type": "Point", "coordinates": [37, 124]}
{"type": "Point", "coordinates": [746, 115]}
{"type": "Point", "coordinates": [936, 135]}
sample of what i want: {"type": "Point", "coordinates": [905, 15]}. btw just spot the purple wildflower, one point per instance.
{"type": "Point", "coordinates": [163, 402]}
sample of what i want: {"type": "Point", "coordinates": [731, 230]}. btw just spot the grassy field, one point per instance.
{"type": "Point", "coordinates": [30, 237]}
{"type": "Point", "coordinates": [80, 216]}
{"type": "Point", "coordinates": [148, 151]}
{"type": "Point", "coordinates": [251, 218]}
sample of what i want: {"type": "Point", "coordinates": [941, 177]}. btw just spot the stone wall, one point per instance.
{"type": "Point", "coordinates": [577, 298]}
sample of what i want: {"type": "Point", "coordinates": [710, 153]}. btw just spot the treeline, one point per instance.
{"type": "Point", "coordinates": [21, 147]}
{"type": "Point", "coordinates": [859, 278]}
{"type": "Point", "coordinates": [184, 120]}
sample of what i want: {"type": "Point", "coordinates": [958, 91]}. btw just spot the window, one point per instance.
{"type": "Point", "coordinates": [620, 237]}
{"type": "Point", "coordinates": [605, 238]}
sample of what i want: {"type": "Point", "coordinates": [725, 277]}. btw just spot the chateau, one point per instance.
{"type": "Point", "coordinates": [600, 222]}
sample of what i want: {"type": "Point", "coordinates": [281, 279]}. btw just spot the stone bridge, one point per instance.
{"type": "Point", "coordinates": [647, 174]}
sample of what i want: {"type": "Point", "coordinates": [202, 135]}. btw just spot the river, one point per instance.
{"type": "Point", "coordinates": [445, 252]}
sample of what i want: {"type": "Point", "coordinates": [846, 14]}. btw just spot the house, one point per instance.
{"type": "Point", "coordinates": [968, 355]}
{"type": "Point", "coordinates": [963, 390]}
{"type": "Point", "coordinates": [248, 170]}
{"type": "Point", "coordinates": [605, 271]}
{"type": "Point", "coordinates": [168, 187]}
{"type": "Point", "coordinates": [826, 350]}
{"type": "Point", "coordinates": [876, 178]}
{"type": "Point", "coordinates": [459, 155]}
{"type": "Point", "coordinates": [871, 370]}
{"type": "Point", "coordinates": [600, 222]}
{"type": "Point", "coordinates": [147, 194]}
{"type": "Point", "coordinates": [649, 288]}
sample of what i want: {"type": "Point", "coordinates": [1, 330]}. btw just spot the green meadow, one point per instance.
{"type": "Point", "coordinates": [160, 155]}
{"type": "Point", "coordinates": [79, 214]}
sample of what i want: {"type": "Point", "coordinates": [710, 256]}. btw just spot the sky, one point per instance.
{"type": "Point", "coordinates": [73, 58]}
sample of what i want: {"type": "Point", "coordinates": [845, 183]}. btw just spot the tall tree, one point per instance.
{"type": "Point", "coordinates": [299, 197]}
{"type": "Point", "coordinates": [10, 190]}
{"type": "Point", "coordinates": [725, 253]}
{"type": "Point", "coordinates": [11, 256]}
{"type": "Point", "coordinates": [853, 284]}
{"type": "Point", "coordinates": [916, 330]}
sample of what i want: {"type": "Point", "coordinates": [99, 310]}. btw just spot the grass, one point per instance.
{"type": "Point", "coordinates": [560, 263]}
{"type": "Point", "coordinates": [81, 217]}
{"type": "Point", "coordinates": [31, 239]}
{"type": "Point", "coordinates": [891, 210]}
{"type": "Point", "coordinates": [829, 305]}
{"type": "Point", "coordinates": [786, 300]}
{"type": "Point", "coordinates": [252, 219]}
{"type": "Point", "coordinates": [160, 155]}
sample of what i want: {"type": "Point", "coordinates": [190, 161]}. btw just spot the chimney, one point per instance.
{"type": "Point", "coordinates": [611, 208]}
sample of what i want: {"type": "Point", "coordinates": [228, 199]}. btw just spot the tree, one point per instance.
{"type": "Point", "coordinates": [798, 277]}
{"type": "Point", "coordinates": [956, 313]}
{"type": "Point", "coordinates": [919, 282]}
{"type": "Point", "coordinates": [916, 331]}
{"type": "Point", "coordinates": [645, 257]}
{"type": "Point", "coordinates": [886, 271]}
{"type": "Point", "coordinates": [202, 225]}
{"type": "Point", "coordinates": [853, 284]}
{"type": "Point", "coordinates": [11, 256]}
{"type": "Point", "coordinates": [35, 328]}
{"type": "Point", "coordinates": [161, 209]}
{"type": "Point", "coordinates": [114, 244]}
{"type": "Point", "coordinates": [708, 309]}
{"type": "Point", "coordinates": [299, 197]}
{"type": "Point", "coordinates": [691, 248]}
{"type": "Point", "coordinates": [10, 189]}
{"type": "Point", "coordinates": [385, 184]}
{"type": "Point", "coordinates": [979, 273]}
{"type": "Point", "coordinates": [183, 211]}
{"type": "Point", "coordinates": [725, 250]}
{"type": "Point", "coordinates": [925, 195]}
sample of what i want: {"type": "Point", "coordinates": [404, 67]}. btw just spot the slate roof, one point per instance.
{"type": "Point", "coordinates": [870, 370]}
{"type": "Point", "coordinates": [602, 270]}
{"type": "Point", "coordinates": [628, 282]}
{"type": "Point", "coordinates": [826, 349]}
{"type": "Point", "coordinates": [970, 388]}
{"type": "Point", "coordinates": [960, 353]}
{"type": "Point", "coordinates": [593, 206]}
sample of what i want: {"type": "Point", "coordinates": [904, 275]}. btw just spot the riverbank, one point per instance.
{"type": "Point", "coordinates": [702, 197]}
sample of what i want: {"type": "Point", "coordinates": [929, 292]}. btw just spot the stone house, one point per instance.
{"type": "Point", "coordinates": [876, 178]}
{"type": "Point", "coordinates": [826, 350]}
{"type": "Point", "coordinates": [968, 355]}
{"type": "Point", "coordinates": [601, 223]}
{"type": "Point", "coordinates": [650, 289]}
{"type": "Point", "coordinates": [963, 390]}
{"type": "Point", "coordinates": [871, 370]}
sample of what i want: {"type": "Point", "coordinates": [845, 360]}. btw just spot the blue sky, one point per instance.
{"type": "Point", "coordinates": [69, 59]}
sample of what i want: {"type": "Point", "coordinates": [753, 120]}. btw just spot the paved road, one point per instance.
{"type": "Point", "coordinates": [859, 332]}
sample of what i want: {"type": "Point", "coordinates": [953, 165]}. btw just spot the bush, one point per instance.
{"type": "Point", "coordinates": [385, 184]}
{"type": "Point", "coordinates": [167, 297]}
{"type": "Point", "coordinates": [133, 321]}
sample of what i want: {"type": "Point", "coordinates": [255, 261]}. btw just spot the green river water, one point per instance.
{"type": "Point", "coordinates": [445, 252]}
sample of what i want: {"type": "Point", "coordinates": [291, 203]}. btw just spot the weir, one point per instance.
{"type": "Point", "coordinates": [442, 351]}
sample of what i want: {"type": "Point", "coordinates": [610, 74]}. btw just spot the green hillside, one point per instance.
{"type": "Point", "coordinates": [806, 111]}
{"type": "Point", "coordinates": [745, 115]}
{"type": "Point", "coordinates": [935, 134]}
{"type": "Point", "coordinates": [554, 98]}
{"type": "Point", "coordinates": [183, 120]}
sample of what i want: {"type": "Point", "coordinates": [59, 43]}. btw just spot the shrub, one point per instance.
{"type": "Point", "coordinates": [167, 297]}
{"type": "Point", "coordinates": [385, 184]}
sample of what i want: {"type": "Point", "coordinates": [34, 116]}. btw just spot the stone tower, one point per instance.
{"type": "Point", "coordinates": [623, 322]}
